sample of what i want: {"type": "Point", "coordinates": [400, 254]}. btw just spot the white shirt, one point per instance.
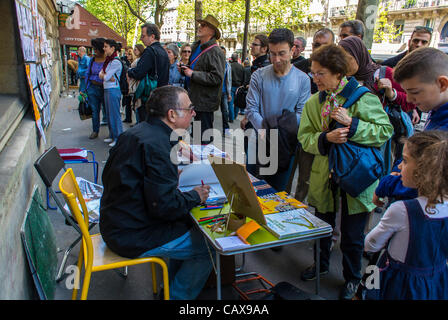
{"type": "Point", "coordinates": [394, 225]}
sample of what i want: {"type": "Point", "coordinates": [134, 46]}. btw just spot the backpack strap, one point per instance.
{"type": "Point", "coordinates": [355, 96]}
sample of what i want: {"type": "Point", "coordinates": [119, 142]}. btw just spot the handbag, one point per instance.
{"type": "Point", "coordinates": [353, 166]}
{"type": "Point", "coordinates": [84, 110]}
{"type": "Point", "coordinates": [240, 97]}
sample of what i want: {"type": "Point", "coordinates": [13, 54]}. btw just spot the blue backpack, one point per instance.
{"type": "Point", "coordinates": [354, 167]}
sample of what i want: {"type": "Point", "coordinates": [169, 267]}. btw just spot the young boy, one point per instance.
{"type": "Point", "coordinates": [423, 74]}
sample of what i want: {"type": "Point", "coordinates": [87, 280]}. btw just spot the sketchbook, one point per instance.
{"type": "Point", "coordinates": [295, 223]}
{"type": "Point", "coordinates": [197, 172]}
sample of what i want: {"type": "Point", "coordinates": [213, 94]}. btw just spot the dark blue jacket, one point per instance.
{"type": "Point", "coordinates": [392, 62]}
{"type": "Point", "coordinates": [146, 65]}
{"type": "Point", "coordinates": [391, 186]}
{"type": "Point", "coordinates": [141, 206]}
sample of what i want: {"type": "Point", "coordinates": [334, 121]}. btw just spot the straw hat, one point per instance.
{"type": "Point", "coordinates": [213, 23]}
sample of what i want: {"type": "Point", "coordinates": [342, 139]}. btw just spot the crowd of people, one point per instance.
{"type": "Point", "coordinates": [144, 213]}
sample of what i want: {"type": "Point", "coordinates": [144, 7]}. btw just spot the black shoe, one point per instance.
{"type": "Point", "coordinates": [127, 121]}
{"type": "Point", "coordinates": [349, 290]}
{"type": "Point", "coordinates": [310, 273]}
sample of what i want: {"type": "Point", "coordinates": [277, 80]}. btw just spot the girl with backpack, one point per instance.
{"type": "Point", "coordinates": [415, 232]}
{"type": "Point", "coordinates": [110, 74]}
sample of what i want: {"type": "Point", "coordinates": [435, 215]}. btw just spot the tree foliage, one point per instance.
{"type": "Point", "coordinates": [384, 30]}
{"type": "Point", "coordinates": [265, 15]}
{"type": "Point", "coordinates": [124, 16]}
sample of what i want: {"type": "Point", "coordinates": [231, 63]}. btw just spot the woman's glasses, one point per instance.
{"type": "Point", "coordinates": [186, 51]}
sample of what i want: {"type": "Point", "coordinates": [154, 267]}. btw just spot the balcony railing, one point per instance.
{"type": "Point", "coordinates": [416, 4]}
{"type": "Point", "coordinates": [342, 11]}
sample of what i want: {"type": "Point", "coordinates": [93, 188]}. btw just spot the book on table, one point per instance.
{"type": "Point", "coordinates": [194, 174]}
{"type": "Point", "coordinates": [298, 222]}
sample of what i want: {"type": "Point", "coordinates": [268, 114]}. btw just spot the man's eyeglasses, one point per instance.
{"type": "Point", "coordinates": [316, 45]}
{"type": "Point", "coordinates": [253, 44]}
{"type": "Point", "coordinates": [190, 109]}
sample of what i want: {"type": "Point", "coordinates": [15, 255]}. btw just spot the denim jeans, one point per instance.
{"type": "Point", "coordinates": [82, 84]}
{"type": "Point", "coordinates": [233, 111]}
{"type": "Point", "coordinates": [95, 96]}
{"type": "Point", "coordinates": [189, 266]}
{"type": "Point", "coordinates": [112, 99]}
{"type": "Point", "coordinates": [224, 112]}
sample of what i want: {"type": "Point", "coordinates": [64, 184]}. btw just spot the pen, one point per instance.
{"type": "Point", "coordinates": [211, 208]}
{"type": "Point", "coordinates": [211, 217]}
{"type": "Point", "coordinates": [211, 221]}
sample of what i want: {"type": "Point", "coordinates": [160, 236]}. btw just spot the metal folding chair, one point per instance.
{"type": "Point", "coordinates": [76, 156]}
{"type": "Point", "coordinates": [49, 165]}
{"type": "Point", "coordinates": [94, 253]}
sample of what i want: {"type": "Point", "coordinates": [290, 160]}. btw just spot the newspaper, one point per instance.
{"type": "Point", "coordinates": [92, 196]}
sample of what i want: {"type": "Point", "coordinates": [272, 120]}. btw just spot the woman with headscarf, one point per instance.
{"type": "Point", "coordinates": [367, 73]}
{"type": "Point", "coordinates": [390, 92]}
{"type": "Point", "coordinates": [110, 73]}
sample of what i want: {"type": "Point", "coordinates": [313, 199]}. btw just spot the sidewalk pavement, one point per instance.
{"type": "Point", "coordinates": [276, 266]}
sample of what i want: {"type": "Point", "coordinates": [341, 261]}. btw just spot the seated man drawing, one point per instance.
{"type": "Point", "coordinates": [143, 213]}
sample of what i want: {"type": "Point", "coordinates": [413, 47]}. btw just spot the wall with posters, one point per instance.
{"type": "Point", "coordinates": [30, 85]}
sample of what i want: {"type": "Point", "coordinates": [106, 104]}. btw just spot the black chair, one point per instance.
{"type": "Point", "coordinates": [49, 165]}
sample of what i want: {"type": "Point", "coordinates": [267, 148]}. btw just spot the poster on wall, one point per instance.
{"type": "Point", "coordinates": [37, 54]}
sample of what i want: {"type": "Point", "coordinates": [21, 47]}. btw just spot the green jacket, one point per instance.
{"type": "Point", "coordinates": [206, 82]}
{"type": "Point", "coordinates": [373, 129]}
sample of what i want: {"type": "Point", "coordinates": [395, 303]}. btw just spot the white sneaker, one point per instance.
{"type": "Point", "coordinates": [113, 144]}
{"type": "Point", "coordinates": [108, 140]}
{"type": "Point", "coordinates": [227, 132]}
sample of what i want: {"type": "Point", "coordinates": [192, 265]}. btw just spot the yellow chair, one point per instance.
{"type": "Point", "coordinates": [94, 252]}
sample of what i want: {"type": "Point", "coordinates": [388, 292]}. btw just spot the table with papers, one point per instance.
{"type": "Point", "coordinates": [259, 240]}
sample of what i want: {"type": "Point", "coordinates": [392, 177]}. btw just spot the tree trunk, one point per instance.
{"type": "Point", "coordinates": [197, 16]}
{"type": "Point", "coordinates": [367, 12]}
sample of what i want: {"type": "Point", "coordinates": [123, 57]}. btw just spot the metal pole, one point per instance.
{"type": "Point", "coordinates": [65, 66]}
{"type": "Point", "coordinates": [246, 30]}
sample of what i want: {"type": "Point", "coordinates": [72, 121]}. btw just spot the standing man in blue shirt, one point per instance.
{"type": "Point", "coordinates": [83, 65]}
{"type": "Point", "coordinates": [273, 90]}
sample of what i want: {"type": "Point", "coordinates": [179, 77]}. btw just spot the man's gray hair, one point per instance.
{"type": "Point", "coordinates": [152, 28]}
{"type": "Point", "coordinates": [234, 56]}
{"type": "Point", "coordinates": [163, 99]}
{"type": "Point", "coordinates": [302, 40]}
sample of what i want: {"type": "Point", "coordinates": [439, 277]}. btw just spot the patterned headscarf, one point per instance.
{"type": "Point", "coordinates": [366, 67]}
{"type": "Point", "coordinates": [330, 104]}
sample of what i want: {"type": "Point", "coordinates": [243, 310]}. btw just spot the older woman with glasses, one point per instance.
{"type": "Point", "coordinates": [365, 122]}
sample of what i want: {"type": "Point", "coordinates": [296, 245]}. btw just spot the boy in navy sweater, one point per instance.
{"type": "Point", "coordinates": [423, 74]}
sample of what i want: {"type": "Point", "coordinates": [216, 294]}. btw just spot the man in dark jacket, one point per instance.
{"type": "Point", "coordinates": [237, 81]}
{"type": "Point", "coordinates": [421, 37]}
{"type": "Point", "coordinates": [205, 75]}
{"type": "Point", "coordinates": [153, 62]}
{"type": "Point", "coordinates": [143, 213]}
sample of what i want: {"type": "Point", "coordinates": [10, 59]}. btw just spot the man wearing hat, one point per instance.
{"type": "Point", "coordinates": [205, 74]}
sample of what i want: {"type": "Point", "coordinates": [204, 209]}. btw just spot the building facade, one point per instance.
{"type": "Point", "coordinates": [21, 142]}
